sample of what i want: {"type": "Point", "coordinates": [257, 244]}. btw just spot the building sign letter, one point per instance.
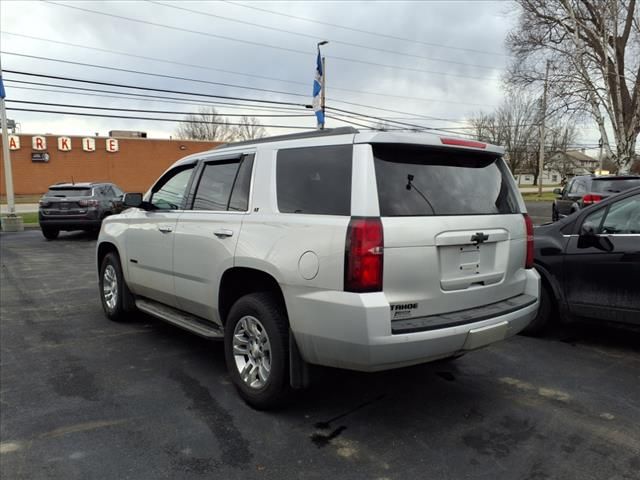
{"type": "Point", "coordinates": [39, 142]}
{"type": "Point", "coordinates": [88, 144]}
{"type": "Point", "coordinates": [112, 145]}
{"type": "Point", "coordinates": [64, 144]}
{"type": "Point", "coordinates": [14, 142]}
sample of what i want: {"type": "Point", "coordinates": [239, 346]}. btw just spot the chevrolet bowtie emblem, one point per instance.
{"type": "Point", "coordinates": [479, 237]}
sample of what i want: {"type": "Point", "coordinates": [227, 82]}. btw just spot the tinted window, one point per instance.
{"type": "Point", "coordinates": [623, 217]}
{"type": "Point", "coordinates": [240, 195]}
{"type": "Point", "coordinates": [117, 191]}
{"type": "Point", "coordinates": [426, 181]}
{"type": "Point", "coordinates": [315, 180]}
{"type": "Point", "coordinates": [169, 195]}
{"type": "Point", "coordinates": [215, 185]}
{"type": "Point", "coordinates": [581, 186]}
{"type": "Point", "coordinates": [68, 192]}
{"type": "Point", "coordinates": [614, 185]}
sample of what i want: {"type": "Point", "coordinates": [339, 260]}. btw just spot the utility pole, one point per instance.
{"type": "Point", "coordinates": [11, 222]}
{"type": "Point", "coordinates": [601, 144]}
{"type": "Point", "coordinates": [324, 83]}
{"type": "Point", "coordinates": [542, 122]}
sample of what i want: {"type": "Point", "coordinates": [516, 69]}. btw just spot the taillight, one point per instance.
{"type": "Point", "coordinates": [88, 203]}
{"type": "Point", "coordinates": [529, 228]}
{"type": "Point", "coordinates": [364, 256]}
{"type": "Point", "coordinates": [459, 142]}
{"type": "Point", "coordinates": [590, 199]}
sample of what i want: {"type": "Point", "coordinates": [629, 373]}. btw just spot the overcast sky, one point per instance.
{"type": "Point", "coordinates": [442, 59]}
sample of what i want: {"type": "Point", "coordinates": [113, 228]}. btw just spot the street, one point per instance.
{"type": "Point", "coordinates": [83, 397]}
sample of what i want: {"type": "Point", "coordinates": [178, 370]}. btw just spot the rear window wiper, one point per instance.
{"type": "Point", "coordinates": [412, 186]}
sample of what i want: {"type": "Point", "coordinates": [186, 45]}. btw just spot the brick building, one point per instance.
{"type": "Point", "coordinates": [131, 163]}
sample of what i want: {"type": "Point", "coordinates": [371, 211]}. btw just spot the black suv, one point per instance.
{"type": "Point", "coordinates": [77, 206]}
{"type": "Point", "coordinates": [586, 190]}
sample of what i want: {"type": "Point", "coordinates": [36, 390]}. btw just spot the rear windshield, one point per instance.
{"type": "Point", "coordinates": [68, 192]}
{"type": "Point", "coordinates": [418, 181]}
{"type": "Point", "coordinates": [614, 185]}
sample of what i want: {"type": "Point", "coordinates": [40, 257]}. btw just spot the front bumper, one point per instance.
{"type": "Point", "coordinates": [345, 330]}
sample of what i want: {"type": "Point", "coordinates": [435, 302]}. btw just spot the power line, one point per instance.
{"type": "Point", "coordinates": [143, 97]}
{"type": "Point", "coordinates": [376, 34]}
{"type": "Point", "coordinates": [260, 44]}
{"type": "Point", "coordinates": [161, 75]}
{"type": "Point", "coordinates": [203, 67]}
{"type": "Point", "coordinates": [179, 120]}
{"type": "Point", "coordinates": [154, 99]}
{"type": "Point", "coordinates": [135, 110]}
{"type": "Point", "coordinates": [315, 37]}
{"type": "Point", "coordinates": [161, 90]}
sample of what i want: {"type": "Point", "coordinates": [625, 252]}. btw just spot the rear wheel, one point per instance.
{"type": "Point", "coordinates": [114, 293]}
{"type": "Point", "coordinates": [540, 324]}
{"type": "Point", "coordinates": [50, 233]}
{"type": "Point", "coordinates": [257, 350]}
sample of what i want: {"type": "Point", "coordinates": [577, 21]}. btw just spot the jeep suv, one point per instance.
{"type": "Point", "coordinates": [77, 206]}
{"type": "Point", "coordinates": [364, 251]}
{"type": "Point", "coordinates": [586, 190]}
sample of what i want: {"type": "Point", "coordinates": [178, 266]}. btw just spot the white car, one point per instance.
{"type": "Point", "coordinates": [365, 251]}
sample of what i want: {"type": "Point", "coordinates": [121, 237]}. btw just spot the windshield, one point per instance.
{"type": "Point", "coordinates": [68, 192]}
{"type": "Point", "coordinates": [615, 185]}
{"type": "Point", "coordinates": [418, 181]}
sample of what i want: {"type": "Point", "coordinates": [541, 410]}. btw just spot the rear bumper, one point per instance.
{"type": "Point", "coordinates": [71, 222]}
{"type": "Point", "coordinates": [352, 331]}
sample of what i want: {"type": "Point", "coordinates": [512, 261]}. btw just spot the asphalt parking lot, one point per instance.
{"type": "Point", "coordinates": [82, 397]}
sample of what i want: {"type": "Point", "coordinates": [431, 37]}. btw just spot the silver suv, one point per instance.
{"type": "Point", "coordinates": [364, 251]}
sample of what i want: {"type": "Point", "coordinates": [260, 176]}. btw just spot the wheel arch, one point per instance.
{"type": "Point", "coordinates": [554, 287]}
{"type": "Point", "coordinates": [239, 281]}
{"type": "Point", "coordinates": [103, 249]}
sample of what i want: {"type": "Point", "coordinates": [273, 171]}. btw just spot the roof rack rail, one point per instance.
{"type": "Point", "coordinates": [294, 136]}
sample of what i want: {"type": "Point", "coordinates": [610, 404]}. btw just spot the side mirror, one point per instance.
{"type": "Point", "coordinates": [588, 238]}
{"type": "Point", "coordinates": [587, 230]}
{"type": "Point", "coordinates": [132, 200]}
{"type": "Point", "coordinates": [557, 191]}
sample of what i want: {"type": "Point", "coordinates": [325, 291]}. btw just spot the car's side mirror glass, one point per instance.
{"type": "Point", "coordinates": [132, 199]}
{"type": "Point", "coordinates": [557, 191]}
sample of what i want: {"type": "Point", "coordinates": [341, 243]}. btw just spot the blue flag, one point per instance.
{"type": "Point", "coordinates": [318, 85]}
{"type": "Point", "coordinates": [2, 92]}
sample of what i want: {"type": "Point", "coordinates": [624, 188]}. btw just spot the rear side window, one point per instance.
{"type": "Point", "coordinates": [614, 185]}
{"type": "Point", "coordinates": [315, 180]}
{"type": "Point", "coordinates": [68, 192]}
{"type": "Point", "coordinates": [225, 186]}
{"type": "Point", "coordinates": [420, 181]}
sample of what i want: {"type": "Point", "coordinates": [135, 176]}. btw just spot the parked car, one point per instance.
{"type": "Point", "coordinates": [590, 264]}
{"type": "Point", "coordinates": [77, 206]}
{"type": "Point", "coordinates": [364, 251]}
{"type": "Point", "coordinates": [586, 190]}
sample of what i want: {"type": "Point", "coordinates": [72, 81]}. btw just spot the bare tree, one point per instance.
{"type": "Point", "coordinates": [207, 125]}
{"type": "Point", "coordinates": [512, 125]}
{"type": "Point", "coordinates": [595, 49]}
{"type": "Point", "coordinates": [249, 129]}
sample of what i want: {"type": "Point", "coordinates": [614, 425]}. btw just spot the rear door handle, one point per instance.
{"type": "Point", "coordinates": [165, 229]}
{"type": "Point", "coordinates": [223, 232]}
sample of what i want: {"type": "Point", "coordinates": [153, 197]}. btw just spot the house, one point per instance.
{"type": "Point", "coordinates": [559, 166]}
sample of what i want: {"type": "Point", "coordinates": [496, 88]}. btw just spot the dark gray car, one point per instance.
{"type": "Point", "coordinates": [77, 206]}
{"type": "Point", "coordinates": [586, 190]}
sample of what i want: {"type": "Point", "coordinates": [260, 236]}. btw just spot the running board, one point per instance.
{"type": "Point", "coordinates": [179, 318]}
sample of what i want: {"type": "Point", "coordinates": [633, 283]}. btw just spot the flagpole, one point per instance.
{"type": "Point", "coordinates": [324, 81]}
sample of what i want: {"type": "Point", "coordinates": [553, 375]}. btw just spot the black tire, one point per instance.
{"type": "Point", "coordinates": [121, 309]}
{"type": "Point", "coordinates": [272, 318]}
{"type": "Point", "coordinates": [540, 324]}
{"type": "Point", "coordinates": [50, 233]}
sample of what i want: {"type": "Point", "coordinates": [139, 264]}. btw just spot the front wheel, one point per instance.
{"type": "Point", "coordinates": [539, 325]}
{"type": "Point", "coordinates": [50, 233]}
{"type": "Point", "coordinates": [257, 350]}
{"type": "Point", "coordinates": [114, 293]}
